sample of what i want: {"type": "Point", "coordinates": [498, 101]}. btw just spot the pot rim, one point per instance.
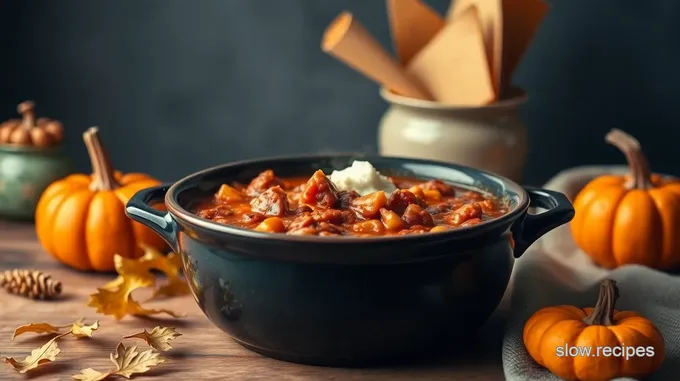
{"type": "Point", "coordinates": [18, 148]}
{"type": "Point", "coordinates": [190, 218]}
{"type": "Point", "coordinates": [518, 98]}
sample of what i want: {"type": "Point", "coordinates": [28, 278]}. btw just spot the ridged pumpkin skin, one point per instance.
{"type": "Point", "coordinates": [602, 326]}
{"type": "Point", "coordinates": [81, 221]}
{"type": "Point", "coordinates": [631, 219]}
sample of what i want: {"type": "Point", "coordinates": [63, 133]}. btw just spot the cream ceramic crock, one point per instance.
{"type": "Point", "coordinates": [491, 138]}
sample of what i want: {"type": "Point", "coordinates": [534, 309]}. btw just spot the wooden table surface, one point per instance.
{"type": "Point", "coordinates": [203, 351]}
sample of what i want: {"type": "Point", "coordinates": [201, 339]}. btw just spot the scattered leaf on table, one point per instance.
{"type": "Point", "coordinates": [38, 328]}
{"type": "Point", "coordinates": [128, 361]}
{"type": "Point", "coordinates": [119, 302]}
{"type": "Point", "coordinates": [170, 265]}
{"type": "Point", "coordinates": [130, 267]}
{"type": "Point", "coordinates": [45, 354]}
{"type": "Point", "coordinates": [136, 309]}
{"type": "Point", "coordinates": [158, 338]}
{"type": "Point", "coordinates": [84, 330]}
{"type": "Point", "coordinates": [77, 329]}
{"type": "Point", "coordinates": [90, 374]}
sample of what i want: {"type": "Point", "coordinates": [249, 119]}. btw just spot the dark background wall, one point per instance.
{"type": "Point", "coordinates": [179, 85]}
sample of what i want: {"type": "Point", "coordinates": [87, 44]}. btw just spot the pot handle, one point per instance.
{"type": "Point", "coordinates": [559, 212]}
{"type": "Point", "coordinates": [139, 209]}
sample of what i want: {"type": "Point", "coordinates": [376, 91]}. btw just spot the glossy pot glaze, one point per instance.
{"type": "Point", "coordinates": [344, 301]}
{"type": "Point", "coordinates": [25, 172]}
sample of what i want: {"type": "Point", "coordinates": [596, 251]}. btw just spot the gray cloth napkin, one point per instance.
{"type": "Point", "coordinates": [554, 271]}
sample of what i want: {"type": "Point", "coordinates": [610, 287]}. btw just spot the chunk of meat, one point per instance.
{"type": "Point", "coordinates": [369, 206]}
{"type": "Point", "coordinates": [400, 199]}
{"type": "Point", "coordinates": [464, 213]}
{"type": "Point", "coordinates": [416, 215]}
{"type": "Point", "coordinates": [438, 185]}
{"type": "Point", "coordinates": [252, 218]}
{"type": "Point", "coordinates": [302, 221]}
{"type": "Point", "coordinates": [443, 207]}
{"type": "Point", "coordinates": [319, 191]}
{"type": "Point", "coordinates": [272, 225]}
{"type": "Point", "coordinates": [272, 202]}
{"type": "Point", "coordinates": [302, 209]}
{"type": "Point", "coordinates": [262, 182]}
{"type": "Point", "coordinates": [321, 229]}
{"type": "Point", "coordinates": [219, 211]}
{"type": "Point", "coordinates": [332, 216]}
{"type": "Point", "coordinates": [228, 193]}
{"type": "Point", "coordinates": [391, 220]}
{"type": "Point", "coordinates": [345, 198]}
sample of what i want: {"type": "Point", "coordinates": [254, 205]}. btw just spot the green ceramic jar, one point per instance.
{"type": "Point", "coordinates": [25, 172]}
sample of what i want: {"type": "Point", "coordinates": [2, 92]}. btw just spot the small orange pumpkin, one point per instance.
{"type": "Point", "coordinates": [81, 221]}
{"type": "Point", "coordinates": [635, 347]}
{"type": "Point", "coordinates": [631, 219]}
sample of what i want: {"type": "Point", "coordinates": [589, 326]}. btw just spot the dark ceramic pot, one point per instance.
{"type": "Point", "coordinates": [343, 301]}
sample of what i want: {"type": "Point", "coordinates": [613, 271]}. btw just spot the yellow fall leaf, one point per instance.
{"type": "Point", "coordinates": [90, 374]}
{"type": "Point", "coordinates": [38, 328]}
{"type": "Point", "coordinates": [158, 338]}
{"type": "Point", "coordinates": [77, 329]}
{"type": "Point", "coordinates": [119, 302]}
{"type": "Point", "coordinates": [152, 259]}
{"type": "Point", "coordinates": [169, 265]}
{"type": "Point", "coordinates": [83, 330]}
{"type": "Point", "coordinates": [128, 361]}
{"type": "Point", "coordinates": [45, 354]}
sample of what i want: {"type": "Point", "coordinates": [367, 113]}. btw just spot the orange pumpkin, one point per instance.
{"type": "Point", "coordinates": [629, 219]}
{"type": "Point", "coordinates": [629, 345]}
{"type": "Point", "coordinates": [81, 221]}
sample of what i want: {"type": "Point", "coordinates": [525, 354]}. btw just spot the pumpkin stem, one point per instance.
{"type": "Point", "coordinates": [27, 111]}
{"type": "Point", "coordinates": [101, 165]}
{"type": "Point", "coordinates": [603, 313]}
{"type": "Point", "coordinates": [640, 174]}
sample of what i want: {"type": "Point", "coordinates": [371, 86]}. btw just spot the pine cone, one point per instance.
{"type": "Point", "coordinates": [30, 283]}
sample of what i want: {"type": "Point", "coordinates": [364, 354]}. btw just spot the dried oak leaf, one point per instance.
{"type": "Point", "coordinates": [127, 361]}
{"type": "Point", "coordinates": [118, 302]}
{"type": "Point", "coordinates": [170, 265]}
{"type": "Point", "coordinates": [83, 330]}
{"type": "Point", "coordinates": [152, 259]}
{"type": "Point", "coordinates": [90, 374]}
{"type": "Point", "coordinates": [158, 338]}
{"type": "Point", "coordinates": [77, 329]}
{"type": "Point", "coordinates": [45, 354]}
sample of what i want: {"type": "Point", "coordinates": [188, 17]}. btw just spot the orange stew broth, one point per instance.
{"type": "Point", "coordinates": [313, 206]}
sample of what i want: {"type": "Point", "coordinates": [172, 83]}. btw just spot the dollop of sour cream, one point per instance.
{"type": "Point", "coordinates": [361, 177]}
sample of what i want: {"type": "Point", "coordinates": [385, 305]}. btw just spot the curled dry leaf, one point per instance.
{"type": "Point", "coordinates": [45, 354]}
{"type": "Point", "coordinates": [158, 338]}
{"type": "Point", "coordinates": [38, 328]}
{"type": "Point", "coordinates": [77, 329]}
{"type": "Point", "coordinates": [90, 374]}
{"type": "Point", "coordinates": [170, 265]}
{"type": "Point", "coordinates": [152, 259]}
{"type": "Point", "coordinates": [82, 330]}
{"type": "Point", "coordinates": [127, 361]}
{"type": "Point", "coordinates": [116, 299]}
